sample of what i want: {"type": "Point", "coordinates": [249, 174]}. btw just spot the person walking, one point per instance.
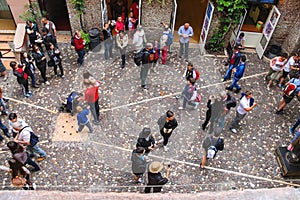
{"type": "Point", "coordinates": [122, 42]}
{"type": "Point", "coordinates": [40, 62]}
{"type": "Point", "coordinates": [246, 105]}
{"type": "Point", "coordinates": [167, 123]}
{"type": "Point", "coordinates": [5, 131]}
{"type": "Point", "coordinates": [82, 119]}
{"type": "Point", "coordinates": [238, 74]}
{"type": "Point", "coordinates": [79, 44]}
{"type": "Point", "coordinates": [289, 65]}
{"type": "Point", "coordinates": [190, 95]}
{"type": "Point", "coordinates": [185, 33]}
{"type": "Point", "coordinates": [233, 63]}
{"type": "Point", "coordinates": [24, 137]}
{"type": "Point", "coordinates": [276, 66]}
{"type": "Point", "coordinates": [155, 179]}
{"type": "Point", "coordinates": [139, 164]}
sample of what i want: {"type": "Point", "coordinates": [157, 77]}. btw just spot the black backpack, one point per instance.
{"type": "Point", "coordinates": [72, 41]}
{"type": "Point", "coordinates": [34, 139]}
{"type": "Point", "coordinates": [220, 144]}
{"type": "Point", "coordinates": [138, 57]}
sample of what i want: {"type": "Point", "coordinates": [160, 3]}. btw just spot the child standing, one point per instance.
{"type": "Point", "coordinates": [82, 119]}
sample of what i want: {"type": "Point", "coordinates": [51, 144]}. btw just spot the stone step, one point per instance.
{"type": "Point", "coordinates": [6, 62]}
{"type": "Point", "coordinates": [7, 55]}
{"type": "Point", "coordinates": [6, 37]}
{"type": "Point", "coordinates": [4, 46]}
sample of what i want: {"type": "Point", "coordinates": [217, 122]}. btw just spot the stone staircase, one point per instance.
{"type": "Point", "coordinates": [7, 36]}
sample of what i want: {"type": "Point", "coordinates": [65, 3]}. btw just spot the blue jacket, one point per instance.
{"type": "Point", "coordinates": [240, 69]}
{"type": "Point", "coordinates": [82, 117]}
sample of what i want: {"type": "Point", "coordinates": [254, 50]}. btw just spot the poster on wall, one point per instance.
{"type": "Point", "coordinates": [206, 24]}
{"type": "Point", "coordinates": [268, 31]}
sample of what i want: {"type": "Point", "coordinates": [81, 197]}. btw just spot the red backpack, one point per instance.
{"type": "Point", "coordinates": [197, 74]}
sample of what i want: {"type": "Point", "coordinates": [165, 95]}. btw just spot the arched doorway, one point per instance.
{"type": "Point", "coordinates": [57, 12]}
{"type": "Point", "coordinates": [192, 12]}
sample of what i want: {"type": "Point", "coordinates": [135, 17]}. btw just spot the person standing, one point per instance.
{"type": "Point", "coordinates": [146, 140]}
{"type": "Point", "coordinates": [164, 45]}
{"type": "Point", "coordinates": [27, 60]}
{"type": "Point", "coordinates": [234, 62]}
{"type": "Point", "coordinates": [134, 8]}
{"type": "Point", "coordinates": [24, 138]}
{"type": "Point", "coordinates": [139, 164]}
{"type": "Point", "coordinates": [120, 26]}
{"type": "Point", "coordinates": [185, 32]}
{"type": "Point", "coordinates": [240, 41]}
{"type": "Point", "coordinates": [209, 141]}
{"type": "Point", "coordinates": [139, 39]}
{"type": "Point", "coordinates": [5, 131]}
{"type": "Point", "coordinates": [22, 77]}
{"type": "Point", "coordinates": [122, 42]}
{"type": "Point", "coordinates": [55, 59]}
{"type": "Point", "coordinates": [238, 74]}
{"type": "Point", "coordinates": [289, 65]}
{"type": "Point", "coordinates": [108, 40]}
{"type": "Point", "coordinates": [131, 24]}
{"type": "Point", "coordinates": [48, 39]}
{"type": "Point", "coordinates": [2, 69]}
{"type": "Point", "coordinates": [246, 105]}
{"type": "Point", "coordinates": [82, 119]}
{"type": "Point", "coordinates": [49, 25]}
{"type": "Point", "coordinates": [155, 178]}
{"type": "Point", "coordinates": [40, 62]}
{"type": "Point", "coordinates": [32, 31]}
{"type": "Point", "coordinates": [79, 44]}
{"type": "Point", "coordinates": [276, 66]}
{"type": "Point", "coordinates": [146, 62]}
{"type": "Point", "coordinates": [167, 123]}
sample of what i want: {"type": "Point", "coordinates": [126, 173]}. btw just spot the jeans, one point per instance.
{"type": "Point", "coordinates": [297, 135]}
{"type": "Point", "coordinates": [32, 163]}
{"type": "Point", "coordinates": [123, 55]}
{"type": "Point", "coordinates": [228, 72]}
{"type": "Point", "coordinates": [4, 129]}
{"type": "Point", "coordinates": [186, 49]}
{"type": "Point", "coordinates": [296, 124]}
{"type": "Point", "coordinates": [88, 124]}
{"type": "Point", "coordinates": [94, 108]}
{"type": "Point", "coordinates": [33, 79]}
{"type": "Point", "coordinates": [80, 54]}
{"type": "Point", "coordinates": [36, 149]}
{"type": "Point", "coordinates": [144, 74]}
{"type": "Point", "coordinates": [234, 83]}
{"type": "Point", "coordinates": [189, 102]}
{"type": "Point", "coordinates": [60, 68]}
{"type": "Point", "coordinates": [108, 49]}
{"type": "Point", "coordinates": [236, 120]}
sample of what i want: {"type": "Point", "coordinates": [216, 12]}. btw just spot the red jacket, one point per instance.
{"type": "Point", "coordinates": [20, 70]}
{"type": "Point", "coordinates": [78, 43]}
{"type": "Point", "coordinates": [91, 94]}
{"type": "Point", "coordinates": [135, 9]}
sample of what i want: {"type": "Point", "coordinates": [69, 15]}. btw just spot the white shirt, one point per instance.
{"type": "Point", "coordinates": [287, 66]}
{"type": "Point", "coordinates": [24, 135]}
{"type": "Point", "coordinates": [277, 65]}
{"type": "Point", "coordinates": [244, 103]}
{"type": "Point", "coordinates": [239, 40]}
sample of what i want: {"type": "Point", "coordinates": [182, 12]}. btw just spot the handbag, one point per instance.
{"type": "Point", "coordinates": [18, 181]}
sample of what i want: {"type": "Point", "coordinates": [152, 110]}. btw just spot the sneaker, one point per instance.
{"type": "Point", "coordinates": [145, 87]}
{"type": "Point", "coordinates": [279, 112]}
{"type": "Point", "coordinates": [39, 159]}
{"type": "Point", "coordinates": [196, 106]}
{"type": "Point", "coordinates": [223, 79]}
{"type": "Point", "coordinates": [63, 77]}
{"type": "Point", "coordinates": [26, 187]}
{"type": "Point", "coordinates": [268, 87]}
{"type": "Point", "coordinates": [228, 88]}
{"type": "Point", "coordinates": [140, 180]}
{"type": "Point", "coordinates": [237, 91]}
{"type": "Point", "coordinates": [160, 141]}
{"type": "Point", "coordinates": [291, 131]}
{"type": "Point", "coordinates": [30, 92]}
{"type": "Point", "coordinates": [35, 86]}
{"type": "Point", "coordinates": [55, 76]}
{"type": "Point", "coordinates": [178, 96]}
{"type": "Point", "coordinates": [33, 187]}
{"type": "Point", "coordinates": [28, 95]}
{"type": "Point", "coordinates": [233, 130]}
{"type": "Point", "coordinates": [166, 148]}
{"type": "Point", "coordinates": [290, 147]}
{"type": "Point", "coordinates": [280, 86]}
{"type": "Point", "coordinates": [181, 108]}
{"type": "Point", "coordinates": [5, 78]}
{"type": "Point", "coordinates": [96, 122]}
{"type": "Point", "coordinates": [47, 83]}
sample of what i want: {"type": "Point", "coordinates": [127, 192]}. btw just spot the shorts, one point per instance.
{"type": "Point", "coordinates": [287, 99]}
{"type": "Point", "coordinates": [284, 75]}
{"type": "Point", "coordinates": [275, 75]}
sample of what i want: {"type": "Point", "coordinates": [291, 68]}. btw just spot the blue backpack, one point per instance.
{"type": "Point", "coordinates": [170, 39]}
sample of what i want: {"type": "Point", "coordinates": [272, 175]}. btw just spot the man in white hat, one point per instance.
{"type": "Point", "coordinates": [155, 179]}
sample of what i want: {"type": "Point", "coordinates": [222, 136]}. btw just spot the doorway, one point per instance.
{"type": "Point", "coordinates": [57, 12]}
{"type": "Point", "coordinates": [6, 19]}
{"type": "Point", "coordinates": [192, 12]}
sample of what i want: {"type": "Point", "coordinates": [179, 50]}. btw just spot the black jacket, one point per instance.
{"type": "Point", "coordinates": [142, 142]}
{"type": "Point", "coordinates": [146, 56]}
{"type": "Point", "coordinates": [38, 59]}
{"type": "Point", "coordinates": [156, 179]}
{"type": "Point", "coordinates": [28, 65]}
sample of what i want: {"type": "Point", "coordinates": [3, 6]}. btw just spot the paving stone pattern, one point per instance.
{"type": "Point", "coordinates": [101, 160]}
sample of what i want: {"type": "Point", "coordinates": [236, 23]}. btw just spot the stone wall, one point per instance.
{"type": "Point", "coordinates": [287, 32]}
{"type": "Point", "coordinates": [153, 14]}
{"type": "Point", "coordinates": [91, 18]}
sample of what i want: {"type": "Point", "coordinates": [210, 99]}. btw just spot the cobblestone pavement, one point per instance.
{"type": "Point", "coordinates": [101, 161]}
